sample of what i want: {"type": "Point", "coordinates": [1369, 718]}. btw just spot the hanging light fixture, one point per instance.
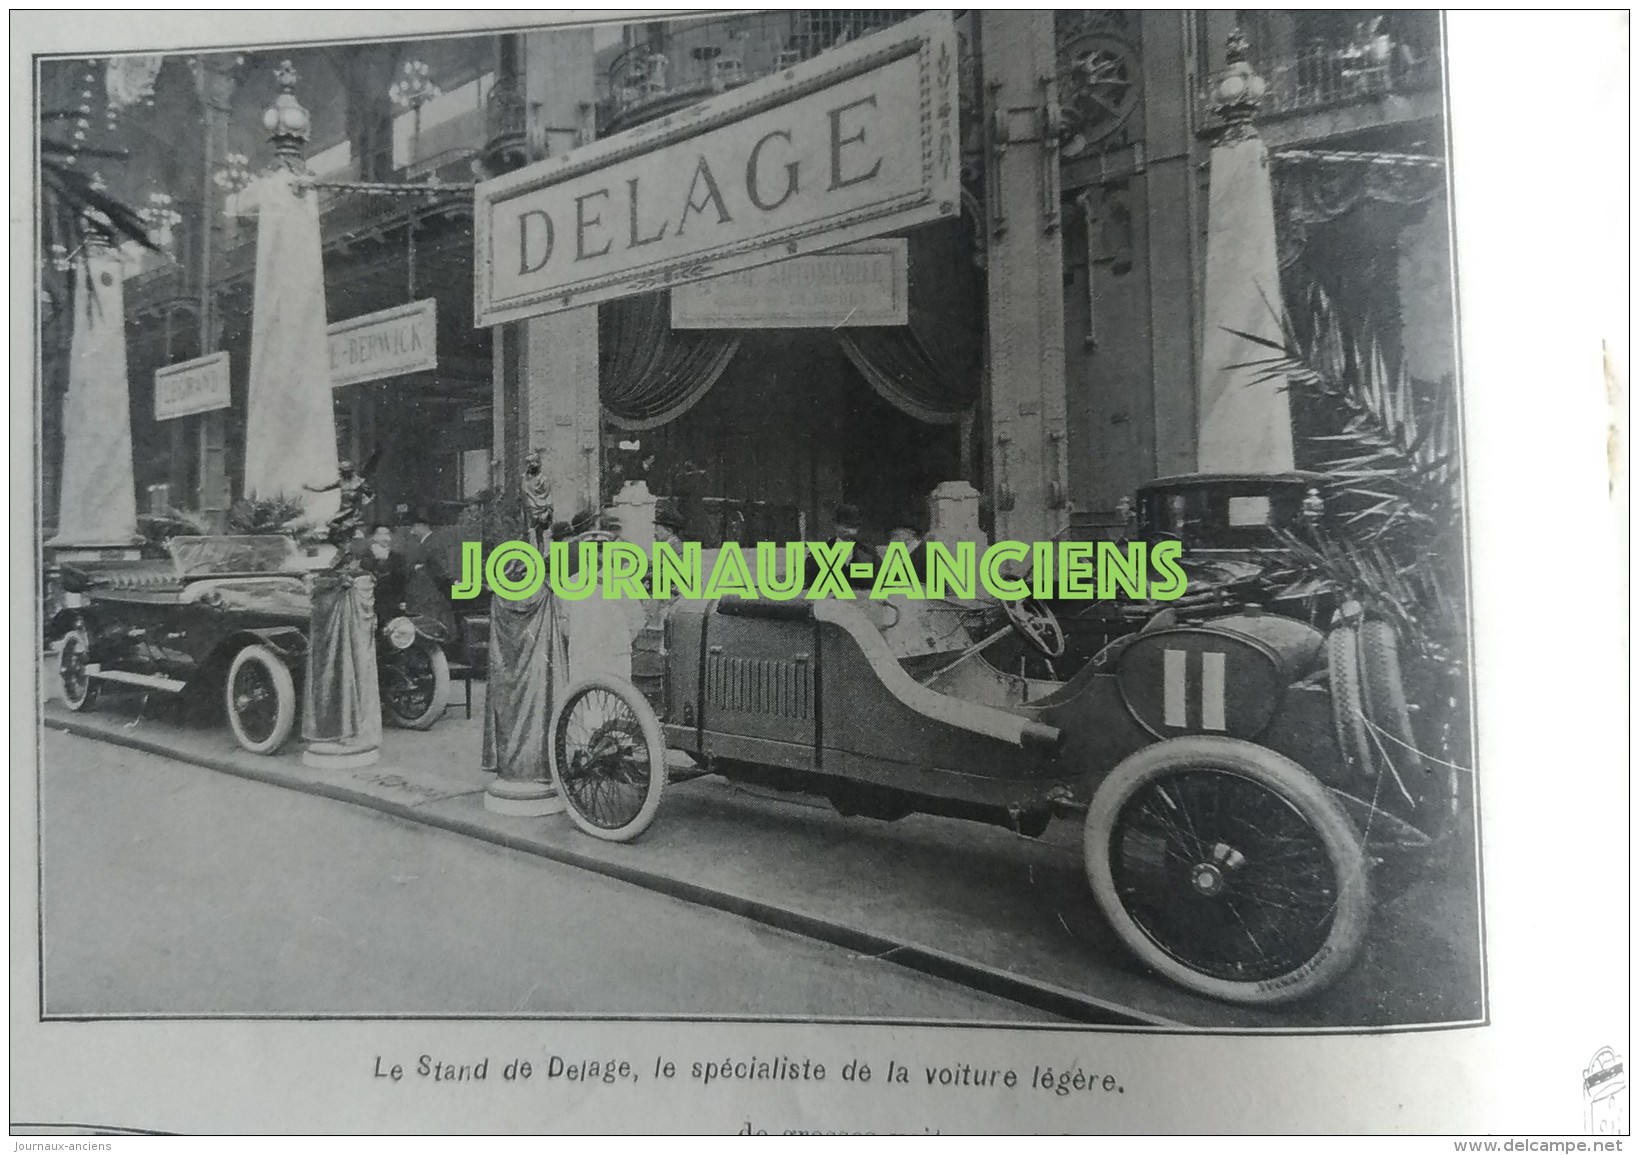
{"type": "Point", "coordinates": [414, 87]}
{"type": "Point", "coordinates": [160, 219]}
{"type": "Point", "coordinates": [234, 173]}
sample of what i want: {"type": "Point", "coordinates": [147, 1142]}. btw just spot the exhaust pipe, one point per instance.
{"type": "Point", "coordinates": [1041, 736]}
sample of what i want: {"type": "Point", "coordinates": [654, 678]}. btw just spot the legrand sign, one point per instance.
{"type": "Point", "coordinates": [860, 284]}
{"type": "Point", "coordinates": [195, 386]}
{"type": "Point", "coordinates": [858, 142]}
{"type": "Point", "coordinates": [385, 344]}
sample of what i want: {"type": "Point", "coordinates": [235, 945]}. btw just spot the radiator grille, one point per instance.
{"type": "Point", "coordinates": [760, 686]}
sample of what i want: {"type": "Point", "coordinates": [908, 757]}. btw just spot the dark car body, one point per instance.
{"type": "Point", "coordinates": [182, 625]}
{"type": "Point", "coordinates": [812, 688]}
{"type": "Point", "coordinates": [174, 620]}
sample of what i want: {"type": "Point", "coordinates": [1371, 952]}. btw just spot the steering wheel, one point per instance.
{"type": "Point", "coordinates": [1037, 625]}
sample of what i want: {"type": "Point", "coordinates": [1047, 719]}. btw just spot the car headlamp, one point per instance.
{"type": "Point", "coordinates": [401, 633]}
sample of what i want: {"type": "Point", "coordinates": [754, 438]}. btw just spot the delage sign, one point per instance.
{"type": "Point", "coordinates": [857, 142]}
{"type": "Point", "coordinates": [385, 344]}
{"type": "Point", "coordinates": [195, 386]}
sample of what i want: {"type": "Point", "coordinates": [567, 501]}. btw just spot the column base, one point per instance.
{"type": "Point", "coordinates": [522, 799]}
{"type": "Point", "coordinates": [339, 756]}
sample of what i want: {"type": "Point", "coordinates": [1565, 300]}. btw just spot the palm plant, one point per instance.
{"type": "Point", "coordinates": [1388, 451]}
{"type": "Point", "coordinates": [157, 529]}
{"type": "Point", "coordinates": [264, 515]}
{"type": "Point", "coordinates": [72, 206]}
{"type": "Point", "coordinates": [491, 519]}
{"type": "Point", "coordinates": [74, 210]}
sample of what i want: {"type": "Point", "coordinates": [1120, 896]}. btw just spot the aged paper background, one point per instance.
{"type": "Point", "coordinates": [1540, 176]}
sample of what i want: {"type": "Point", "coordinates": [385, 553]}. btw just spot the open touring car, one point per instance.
{"type": "Point", "coordinates": [230, 615]}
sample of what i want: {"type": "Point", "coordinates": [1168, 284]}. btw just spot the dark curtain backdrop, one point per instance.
{"type": "Point", "coordinates": [650, 374]}
{"type": "Point", "coordinates": [928, 369]}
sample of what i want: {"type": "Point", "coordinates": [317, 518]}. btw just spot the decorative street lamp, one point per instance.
{"type": "Point", "coordinates": [413, 89]}
{"type": "Point", "coordinates": [1239, 90]}
{"type": "Point", "coordinates": [288, 124]}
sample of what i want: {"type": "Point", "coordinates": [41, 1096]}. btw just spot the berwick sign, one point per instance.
{"type": "Point", "coordinates": [857, 142]}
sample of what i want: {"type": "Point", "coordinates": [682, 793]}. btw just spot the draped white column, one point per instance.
{"type": "Point", "coordinates": [290, 423]}
{"type": "Point", "coordinates": [1246, 424]}
{"type": "Point", "coordinates": [1245, 417]}
{"type": "Point", "coordinates": [98, 501]}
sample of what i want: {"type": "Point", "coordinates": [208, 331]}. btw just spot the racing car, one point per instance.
{"type": "Point", "coordinates": [1241, 780]}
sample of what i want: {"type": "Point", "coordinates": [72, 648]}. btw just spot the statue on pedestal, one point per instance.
{"type": "Point", "coordinates": [356, 494]}
{"type": "Point", "coordinates": [537, 500]}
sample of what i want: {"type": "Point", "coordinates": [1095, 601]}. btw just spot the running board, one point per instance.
{"type": "Point", "coordinates": [146, 681]}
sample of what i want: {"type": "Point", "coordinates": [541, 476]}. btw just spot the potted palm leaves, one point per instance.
{"type": "Point", "coordinates": [1391, 546]}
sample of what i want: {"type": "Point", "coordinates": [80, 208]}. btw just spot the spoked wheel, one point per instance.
{"type": "Point", "coordinates": [72, 660]}
{"type": "Point", "coordinates": [261, 700]}
{"type": "Point", "coordinates": [1229, 869]}
{"type": "Point", "coordinates": [415, 686]}
{"type": "Point", "coordinates": [608, 758]}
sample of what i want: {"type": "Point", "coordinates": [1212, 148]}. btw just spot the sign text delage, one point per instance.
{"type": "Point", "coordinates": [842, 148]}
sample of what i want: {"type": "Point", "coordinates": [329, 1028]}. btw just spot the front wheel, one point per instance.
{"type": "Point", "coordinates": [261, 700]}
{"type": "Point", "coordinates": [415, 686]}
{"type": "Point", "coordinates": [608, 758]}
{"type": "Point", "coordinates": [1229, 869]}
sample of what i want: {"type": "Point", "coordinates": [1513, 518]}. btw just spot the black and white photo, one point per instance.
{"type": "Point", "coordinates": [835, 525]}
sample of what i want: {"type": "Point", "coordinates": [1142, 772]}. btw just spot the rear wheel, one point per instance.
{"type": "Point", "coordinates": [415, 686]}
{"type": "Point", "coordinates": [608, 758]}
{"type": "Point", "coordinates": [261, 699]}
{"type": "Point", "coordinates": [1348, 700]}
{"type": "Point", "coordinates": [1229, 869]}
{"type": "Point", "coordinates": [72, 660]}
{"type": "Point", "coordinates": [1428, 780]}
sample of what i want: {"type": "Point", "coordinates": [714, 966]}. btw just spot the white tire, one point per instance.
{"type": "Point", "coordinates": [79, 691]}
{"type": "Point", "coordinates": [608, 758]}
{"type": "Point", "coordinates": [1229, 869]}
{"type": "Point", "coordinates": [261, 700]}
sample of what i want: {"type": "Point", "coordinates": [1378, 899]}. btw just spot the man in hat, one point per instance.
{"type": "Point", "coordinates": [426, 584]}
{"type": "Point", "coordinates": [669, 523]}
{"type": "Point", "coordinates": [378, 558]}
{"type": "Point", "coordinates": [846, 522]}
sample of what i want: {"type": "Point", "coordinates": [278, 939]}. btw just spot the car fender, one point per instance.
{"type": "Point", "coordinates": [61, 622]}
{"type": "Point", "coordinates": [287, 642]}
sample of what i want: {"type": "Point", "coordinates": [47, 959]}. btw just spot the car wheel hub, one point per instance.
{"type": "Point", "coordinates": [1211, 878]}
{"type": "Point", "coordinates": [1207, 879]}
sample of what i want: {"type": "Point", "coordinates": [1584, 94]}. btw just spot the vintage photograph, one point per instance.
{"type": "Point", "coordinates": [817, 515]}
